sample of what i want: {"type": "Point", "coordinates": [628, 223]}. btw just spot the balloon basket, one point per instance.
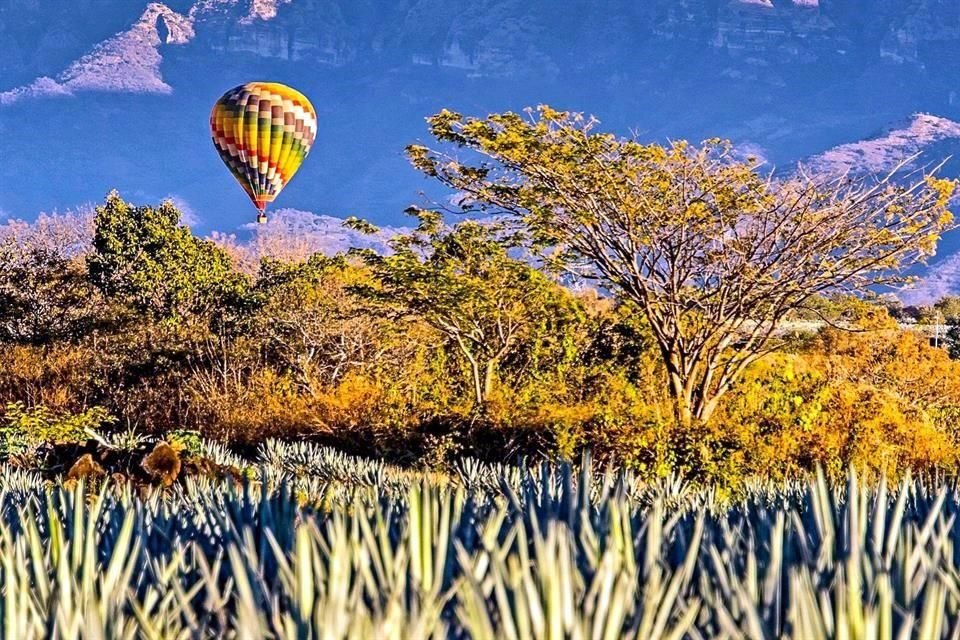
{"type": "Point", "coordinates": [261, 218]}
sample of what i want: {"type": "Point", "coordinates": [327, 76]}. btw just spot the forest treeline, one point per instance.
{"type": "Point", "coordinates": [604, 294]}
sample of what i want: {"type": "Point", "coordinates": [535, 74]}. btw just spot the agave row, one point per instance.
{"type": "Point", "coordinates": [321, 545]}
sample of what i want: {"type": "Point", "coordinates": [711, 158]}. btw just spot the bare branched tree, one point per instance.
{"type": "Point", "coordinates": [713, 252]}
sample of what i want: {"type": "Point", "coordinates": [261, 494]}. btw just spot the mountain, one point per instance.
{"type": "Point", "coordinates": [924, 141]}
{"type": "Point", "coordinates": [102, 94]}
{"type": "Point", "coordinates": [296, 235]}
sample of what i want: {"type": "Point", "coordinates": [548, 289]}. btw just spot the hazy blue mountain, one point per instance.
{"type": "Point", "coordinates": [97, 94]}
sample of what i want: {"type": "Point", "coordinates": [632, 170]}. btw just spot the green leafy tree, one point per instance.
{"type": "Point", "coordinates": [144, 256]}
{"type": "Point", "coordinates": [713, 253]}
{"type": "Point", "coordinates": [463, 282]}
{"type": "Point", "coordinates": [949, 308]}
{"type": "Point", "coordinates": [924, 314]}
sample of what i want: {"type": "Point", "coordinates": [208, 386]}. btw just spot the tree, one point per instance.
{"type": "Point", "coordinates": [948, 308]}
{"type": "Point", "coordinates": [712, 252]}
{"type": "Point", "coordinates": [44, 297]}
{"type": "Point", "coordinates": [312, 322]}
{"type": "Point", "coordinates": [953, 340]}
{"type": "Point", "coordinates": [463, 282]}
{"type": "Point", "coordinates": [144, 256]}
{"type": "Point", "coordinates": [846, 310]}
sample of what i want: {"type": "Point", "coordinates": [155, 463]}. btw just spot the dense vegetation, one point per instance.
{"type": "Point", "coordinates": [474, 352]}
{"type": "Point", "coordinates": [624, 298]}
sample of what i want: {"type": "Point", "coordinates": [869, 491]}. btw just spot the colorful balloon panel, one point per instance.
{"type": "Point", "coordinates": [263, 131]}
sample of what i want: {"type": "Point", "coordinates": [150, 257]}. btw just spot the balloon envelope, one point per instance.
{"type": "Point", "coordinates": [263, 131]}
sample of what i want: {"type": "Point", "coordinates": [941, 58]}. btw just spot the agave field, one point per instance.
{"type": "Point", "coordinates": [320, 545]}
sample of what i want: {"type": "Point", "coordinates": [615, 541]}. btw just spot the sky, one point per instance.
{"type": "Point", "coordinates": [119, 96]}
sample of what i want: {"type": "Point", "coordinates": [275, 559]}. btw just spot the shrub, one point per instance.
{"type": "Point", "coordinates": [25, 427]}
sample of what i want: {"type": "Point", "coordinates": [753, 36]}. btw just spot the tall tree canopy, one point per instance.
{"type": "Point", "coordinates": [146, 257]}
{"type": "Point", "coordinates": [712, 251]}
{"type": "Point", "coordinates": [463, 282]}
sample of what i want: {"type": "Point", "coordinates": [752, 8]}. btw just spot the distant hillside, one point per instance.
{"type": "Point", "coordinates": [926, 140]}
{"type": "Point", "coordinates": [292, 234]}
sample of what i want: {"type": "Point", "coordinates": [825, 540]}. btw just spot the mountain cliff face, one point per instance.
{"type": "Point", "coordinates": [514, 37]}
{"type": "Point", "coordinates": [500, 37]}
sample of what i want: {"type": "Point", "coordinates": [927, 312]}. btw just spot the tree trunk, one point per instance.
{"type": "Point", "coordinates": [489, 376]}
{"type": "Point", "coordinates": [705, 410]}
{"type": "Point", "coordinates": [477, 382]}
{"type": "Point", "coordinates": [694, 401]}
{"type": "Point", "coordinates": [691, 390]}
{"type": "Point", "coordinates": [683, 406]}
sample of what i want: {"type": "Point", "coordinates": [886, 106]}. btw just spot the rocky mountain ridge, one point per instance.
{"type": "Point", "coordinates": [488, 37]}
{"type": "Point", "coordinates": [924, 140]}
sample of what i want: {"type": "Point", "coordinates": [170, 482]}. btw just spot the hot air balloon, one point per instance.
{"type": "Point", "coordinates": [263, 131]}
